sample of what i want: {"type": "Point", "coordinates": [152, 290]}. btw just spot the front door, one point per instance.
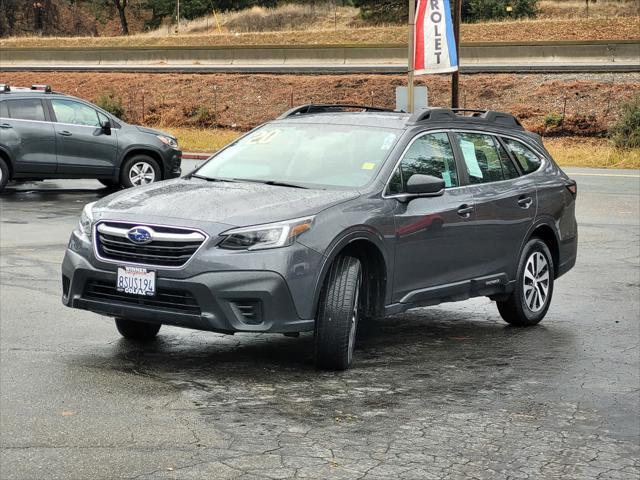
{"type": "Point", "coordinates": [432, 233]}
{"type": "Point", "coordinates": [83, 148]}
{"type": "Point", "coordinates": [505, 203]}
{"type": "Point", "coordinates": [28, 135]}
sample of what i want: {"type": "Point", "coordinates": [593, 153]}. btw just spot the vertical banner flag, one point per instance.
{"type": "Point", "coordinates": [435, 45]}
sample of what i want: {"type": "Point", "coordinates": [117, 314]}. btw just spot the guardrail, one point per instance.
{"type": "Point", "coordinates": [591, 55]}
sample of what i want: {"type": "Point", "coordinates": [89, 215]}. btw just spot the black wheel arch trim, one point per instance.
{"type": "Point", "coordinates": [5, 154]}
{"type": "Point", "coordinates": [342, 241]}
{"type": "Point", "coordinates": [142, 150]}
{"type": "Point", "coordinates": [542, 222]}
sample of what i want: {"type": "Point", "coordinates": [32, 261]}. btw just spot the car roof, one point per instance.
{"type": "Point", "coordinates": [395, 120]}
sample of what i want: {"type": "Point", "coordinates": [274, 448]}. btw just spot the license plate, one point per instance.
{"type": "Point", "coordinates": [136, 281]}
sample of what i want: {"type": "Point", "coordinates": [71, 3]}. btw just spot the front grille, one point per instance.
{"type": "Point", "coordinates": [169, 247]}
{"type": "Point", "coordinates": [165, 299]}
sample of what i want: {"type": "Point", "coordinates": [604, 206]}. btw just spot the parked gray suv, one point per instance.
{"type": "Point", "coordinates": [44, 134]}
{"type": "Point", "coordinates": [326, 217]}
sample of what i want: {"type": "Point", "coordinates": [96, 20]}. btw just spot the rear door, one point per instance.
{"type": "Point", "coordinates": [505, 202]}
{"type": "Point", "coordinates": [83, 148]}
{"type": "Point", "coordinates": [432, 233]}
{"type": "Point", "coordinates": [28, 135]}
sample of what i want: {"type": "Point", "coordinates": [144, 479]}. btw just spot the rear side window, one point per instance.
{"type": "Point", "coordinates": [75, 113]}
{"type": "Point", "coordinates": [3, 110]}
{"type": "Point", "coordinates": [25, 109]}
{"type": "Point", "coordinates": [529, 161]}
{"type": "Point", "coordinates": [485, 159]}
{"type": "Point", "coordinates": [430, 154]}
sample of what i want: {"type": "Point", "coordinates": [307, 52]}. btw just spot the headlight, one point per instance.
{"type": "Point", "coordinates": [86, 220]}
{"type": "Point", "coordinates": [168, 141]}
{"type": "Point", "coordinates": [261, 237]}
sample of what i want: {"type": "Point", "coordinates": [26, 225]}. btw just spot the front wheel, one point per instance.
{"type": "Point", "coordinates": [528, 303]}
{"type": "Point", "coordinates": [140, 170]}
{"type": "Point", "coordinates": [139, 331]}
{"type": "Point", "coordinates": [338, 315]}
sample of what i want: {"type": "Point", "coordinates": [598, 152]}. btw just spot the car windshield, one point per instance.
{"type": "Point", "coordinates": [305, 154]}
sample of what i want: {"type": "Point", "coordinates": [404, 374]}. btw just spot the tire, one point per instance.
{"type": "Point", "coordinates": [108, 183]}
{"type": "Point", "coordinates": [338, 315]}
{"type": "Point", "coordinates": [140, 170]}
{"type": "Point", "coordinates": [4, 174]}
{"type": "Point", "coordinates": [139, 331]}
{"type": "Point", "coordinates": [527, 305]}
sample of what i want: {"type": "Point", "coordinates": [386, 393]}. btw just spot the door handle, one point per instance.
{"type": "Point", "coordinates": [5, 125]}
{"type": "Point", "coordinates": [465, 210]}
{"type": "Point", "coordinates": [525, 202]}
{"type": "Point", "coordinates": [65, 133]}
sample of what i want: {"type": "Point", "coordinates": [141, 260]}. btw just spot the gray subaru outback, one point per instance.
{"type": "Point", "coordinates": [329, 216]}
{"type": "Point", "coordinates": [45, 134]}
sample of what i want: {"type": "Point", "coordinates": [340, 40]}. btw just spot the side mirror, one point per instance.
{"type": "Point", "coordinates": [106, 127]}
{"type": "Point", "coordinates": [426, 185]}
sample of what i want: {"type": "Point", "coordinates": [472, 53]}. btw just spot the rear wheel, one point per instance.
{"type": "Point", "coordinates": [338, 315]}
{"type": "Point", "coordinates": [4, 173]}
{"type": "Point", "coordinates": [140, 170]}
{"type": "Point", "coordinates": [139, 331]}
{"type": "Point", "coordinates": [529, 302]}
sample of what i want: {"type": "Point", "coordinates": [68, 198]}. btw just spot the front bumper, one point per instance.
{"type": "Point", "coordinates": [218, 301]}
{"type": "Point", "coordinates": [173, 168]}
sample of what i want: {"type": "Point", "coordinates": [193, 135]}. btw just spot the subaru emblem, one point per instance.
{"type": "Point", "coordinates": [140, 235]}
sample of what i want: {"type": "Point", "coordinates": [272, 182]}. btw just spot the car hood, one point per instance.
{"type": "Point", "coordinates": [196, 202]}
{"type": "Point", "coordinates": [153, 131]}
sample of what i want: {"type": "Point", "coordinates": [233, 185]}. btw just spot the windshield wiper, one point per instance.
{"type": "Point", "coordinates": [212, 179]}
{"type": "Point", "coordinates": [274, 183]}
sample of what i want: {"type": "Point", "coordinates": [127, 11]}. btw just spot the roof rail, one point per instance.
{"type": "Point", "coordinates": [444, 114]}
{"type": "Point", "coordinates": [4, 88]}
{"type": "Point", "coordinates": [432, 114]}
{"type": "Point", "coordinates": [44, 88]}
{"type": "Point", "coordinates": [327, 108]}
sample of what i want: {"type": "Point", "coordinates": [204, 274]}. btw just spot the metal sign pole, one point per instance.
{"type": "Point", "coordinates": [178, 15]}
{"type": "Point", "coordinates": [412, 29]}
{"type": "Point", "coordinates": [457, 14]}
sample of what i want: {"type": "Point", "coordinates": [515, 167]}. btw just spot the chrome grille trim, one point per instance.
{"type": "Point", "coordinates": [111, 245]}
{"type": "Point", "coordinates": [160, 236]}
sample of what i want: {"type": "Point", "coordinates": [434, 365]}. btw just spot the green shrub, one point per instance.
{"type": "Point", "coordinates": [200, 116]}
{"type": "Point", "coordinates": [552, 120]}
{"type": "Point", "coordinates": [396, 11]}
{"type": "Point", "coordinates": [626, 131]}
{"type": "Point", "coordinates": [112, 103]}
{"type": "Point", "coordinates": [479, 10]}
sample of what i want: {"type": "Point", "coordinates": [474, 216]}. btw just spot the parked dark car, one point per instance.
{"type": "Point", "coordinates": [45, 134]}
{"type": "Point", "coordinates": [326, 217]}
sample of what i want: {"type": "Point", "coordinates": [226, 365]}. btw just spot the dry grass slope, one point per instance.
{"type": "Point", "coordinates": [578, 8]}
{"type": "Point", "coordinates": [627, 28]}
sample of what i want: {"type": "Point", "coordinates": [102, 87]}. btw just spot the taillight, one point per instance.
{"type": "Point", "coordinates": [572, 186]}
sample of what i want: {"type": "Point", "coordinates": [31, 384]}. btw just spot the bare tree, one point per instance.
{"type": "Point", "coordinates": [121, 5]}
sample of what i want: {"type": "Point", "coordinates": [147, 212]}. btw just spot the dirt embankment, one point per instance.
{"type": "Point", "coordinates": [590, 103]}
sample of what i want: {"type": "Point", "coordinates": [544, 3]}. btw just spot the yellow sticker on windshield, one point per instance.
{"type": "Point", "coordinates": [368, 166]}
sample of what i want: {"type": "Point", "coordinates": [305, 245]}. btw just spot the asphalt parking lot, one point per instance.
{"type": "Point", "coordinates": [442, 392]}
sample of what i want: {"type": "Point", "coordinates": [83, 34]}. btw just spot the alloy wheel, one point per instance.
{"type": "Point", "coordinates": [141, 173]}
{"type": "Point", "coordinates": [536, 282]}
